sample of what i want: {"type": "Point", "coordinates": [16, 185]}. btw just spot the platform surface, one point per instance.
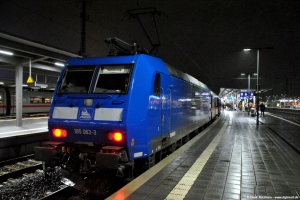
{"type": "Point", "coordinates": [8, 127]}
{"type": "Point", "coordinates": [232, 159]}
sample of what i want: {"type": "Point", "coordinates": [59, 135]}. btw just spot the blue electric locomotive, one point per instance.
{"type": "Point", "coordinates": [118, 112]}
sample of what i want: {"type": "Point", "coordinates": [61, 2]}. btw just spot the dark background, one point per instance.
{"type": "Point", "coordinates": [204, 38]}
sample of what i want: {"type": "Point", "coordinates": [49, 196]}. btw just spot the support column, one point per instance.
{"type": "Point", "coordinates": [248, 94]}
{"type": "Point", "coordinates": [19, 94]}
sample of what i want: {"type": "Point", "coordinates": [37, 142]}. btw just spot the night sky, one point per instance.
{"type": "Point", "coordinates": [204, 38]}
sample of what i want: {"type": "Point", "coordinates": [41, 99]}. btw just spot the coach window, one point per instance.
{"type": "Point", "coordinates": [47, 100]}
{"type": "Point", "coordinates": [36, 100]}
{"type": "Point", "coordinates": [40, 100]}
{"type": "Point", "coordinates": [157, 85]}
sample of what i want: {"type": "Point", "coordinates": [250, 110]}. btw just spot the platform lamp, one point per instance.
{"type": "Point", "coordinates": [257, 84]}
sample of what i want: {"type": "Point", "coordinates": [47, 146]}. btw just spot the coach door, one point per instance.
{"type": "Point", "coordinates": [162, 90]}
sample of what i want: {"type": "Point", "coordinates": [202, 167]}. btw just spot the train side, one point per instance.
{"type": "Point", "coordinates": [33, 101]}
{"type": "Point", "coordinates": [215, 105]}
{"type": "Point", "coordinates": [122, 111]}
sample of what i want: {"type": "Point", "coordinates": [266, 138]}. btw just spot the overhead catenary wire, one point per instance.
{"type": "Point", "coordinates": [193, 61]}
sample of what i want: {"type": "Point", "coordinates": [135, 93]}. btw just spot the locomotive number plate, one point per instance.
{"type": "Point", "coordinates": [85, 131]}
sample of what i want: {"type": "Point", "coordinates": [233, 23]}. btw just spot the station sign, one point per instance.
{"type": "Point", "coordinates": [245, 95]}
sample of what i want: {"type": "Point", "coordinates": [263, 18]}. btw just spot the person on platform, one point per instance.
{"type": "Point", "coordinates": [262, 109]}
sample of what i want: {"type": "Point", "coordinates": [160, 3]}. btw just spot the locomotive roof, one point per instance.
{"type": "Point", "coordinates": [179, 74]}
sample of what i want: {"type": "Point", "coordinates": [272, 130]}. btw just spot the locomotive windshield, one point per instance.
{"type": "Point", "coordinates": [113, 79]}
{"type": "Point", "coordinates": [77, 79]}
{"type": "Point", "coordinates": [109, 79]}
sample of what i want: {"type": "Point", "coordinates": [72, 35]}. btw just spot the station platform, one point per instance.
{"type": "Point", "coordinates": [8, 126]}
{"type": "Point", "coordinates": [20, 141]}
{"type": "Point", "coordinates": [231, 159]}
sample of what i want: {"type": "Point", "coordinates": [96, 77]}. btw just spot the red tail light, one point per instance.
{"type": "Point", "coordinates": [59, 133]}
{"type": "Point", "coordinates": [118, 136]}
{"type": "Point", "coordinates": [115, 136]}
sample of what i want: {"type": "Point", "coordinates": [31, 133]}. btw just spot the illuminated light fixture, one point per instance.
{"type": "Point", "coordinates": [243, 74]}
{"type": "Point", "coordinates": [247, 49]}
{"type": "Point", "coordinates": [59, 133]}
{"type": "Point", "coordinates": [59, 64]}
{"type": "Point", "coordinates": [1, 83]}
{"type": "Point", "coordinates": [118, 136]}
{"type": "Point", "coordinates": [40, 85]}
{"type": "Point", "coordinates": [88, 102]}
{"type": "Point", "coordinates": [115, 136]}
{"type": "Point", "coordinates": [6, 52]}
{"type": "Point", "coordinates": [15, 85]}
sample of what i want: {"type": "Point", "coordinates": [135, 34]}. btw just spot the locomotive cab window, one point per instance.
{"type": "Point", "coordinates": [113, 79]}
{"type": "Point", "coordinates": [77, 79]}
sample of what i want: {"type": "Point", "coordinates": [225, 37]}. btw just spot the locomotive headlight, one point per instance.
{"type": "Point", "coordinates": [115, 136]}
{"type": "Point", "coordinates": [59, 133]}
{"type": "Point", "coordinates": [88, 102]}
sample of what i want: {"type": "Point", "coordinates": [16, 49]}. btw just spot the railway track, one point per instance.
{"type": "Point", "coordinates": [24, 179]}
{"type": "Point", "coordinates": [33, 186]}
{"type": "Point", "coordinates": [16, 167]}
{"type": "Point", "coordinates": [290, 136]}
